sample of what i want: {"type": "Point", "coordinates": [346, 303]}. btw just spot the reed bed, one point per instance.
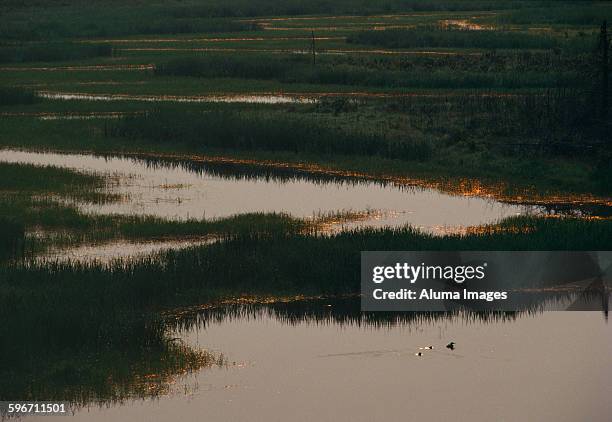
{"type": "Point", "coordinates": [53, 52]}
{"type": "Point", "coordinates": [501, 72]}
{"type": "Point", "coordinates": [435, 37]}
{"type": "Point", "coordinates": [583, 13]}
{"type": "Point", "coordinates": [280, 132]}
{"type": "Point", "coordinates": [245, 8]}
{"type": "Point", "coordinates": [98, 19]}
{"type": "Point", "coordinates": [16, 96]}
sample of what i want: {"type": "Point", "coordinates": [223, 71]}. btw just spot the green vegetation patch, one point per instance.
{"type": "Point", "coordinates": [26, 178]}
{"type": "Point", "coordinates": [16, 96]}
{"type": "Point", "coordinates": [502, 71]}
{"type": "Point", "coordinates": [12, 237]}
{"type": "Point", "coordinates": [434, 37]}
{"type": "Point", "coordinates": [280, 132]}
{"type": "Point", "coordinates": [575, 13]}
{"type": "Point", "coordinates": [52, 52]}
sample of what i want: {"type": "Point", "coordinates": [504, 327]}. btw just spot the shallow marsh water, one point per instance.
{"type": "Point", "coordinates": [181, 191]}
{"type": "Point", "coordinates": [554, 366]}
{"type": "Point", "coordinates": [114, 251]}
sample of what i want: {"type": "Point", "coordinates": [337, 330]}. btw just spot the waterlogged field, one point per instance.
{"type": "Point", "coordinates": [185, 188]}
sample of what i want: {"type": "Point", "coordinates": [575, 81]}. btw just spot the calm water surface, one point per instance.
{"type": "Point", "coordinates": [554, 366]}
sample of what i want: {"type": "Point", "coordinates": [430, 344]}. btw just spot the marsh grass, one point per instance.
{"type": "Point", "coordinates": [435, 37]}
{"type": "Point", "coordinates": [36, 195]}
{"type": "Point", "coordinates": [25, 199]}
{"type": "Point", "coordinates": [53, 224]}
{"type": "Point", "coordinates": [16, 96]}
{"type": "Point", "coordinates": [98, 19]}
{"type": "Point", "coordinates": [78, 18]}
{"type": "Point", "coordinates": [498, 134]}
{"type": "Point", "coordinates": [544, 119]}
{"type": "Point", "coordinates": [46, 179]}
{"type": "Point", "coordinates": [12, 237]}
{"type": "Point", "coordinates": [109, 341]}
{"type": "Point", "coordinates": [586, 13]}
{"type": "Point", "coordinates": [102, 376]}
{"type": "Point", "coordinates": [102, 372]}
{"type": "Point", "coordinates": [536, 70]}
{"type": "Point", "coordinates": [242, 8]}
{"type": "Point", "coordinates": [279, 132]}
{"type": "Point", "coordinates": [51, 52]}
{"type": "Point", "coordinates": [221, 65]}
